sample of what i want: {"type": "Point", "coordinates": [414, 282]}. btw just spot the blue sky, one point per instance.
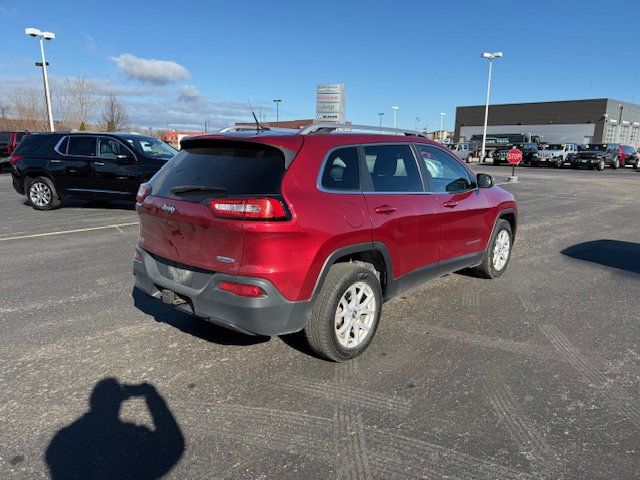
{"type": "Point", "coordinates": [423, 56]}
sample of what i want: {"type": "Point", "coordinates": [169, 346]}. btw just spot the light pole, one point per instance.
{"type": "Point", "coordinates": [490, 57]}
{"type": "Point", "coordinates": [442, 114]}
{"type": "Point", "coordinates": [380, 115]}
{"type": "Point", "coordinates": [395, 111]}
{"type": "Point", "coordinates": [417, 123]}
{"type": "Point", "coordinates": [277, 102]}
{"type": "Point", "coordinates": [34, 32]}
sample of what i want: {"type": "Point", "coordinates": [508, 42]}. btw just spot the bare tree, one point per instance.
{"type": "Point", "coordinates": [28, 105]}
{"type": "Point", "coordinates": [81, 99]}
{"type": "Point", "coordinates": [4, 110]}
{"type": "Point", "coordinates": [114, 115]}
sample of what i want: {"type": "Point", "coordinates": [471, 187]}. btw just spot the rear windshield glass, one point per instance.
{"type": "Point", "coordinates": [31, 144]}
{"type": "Point", "coordinates": [231, 169]}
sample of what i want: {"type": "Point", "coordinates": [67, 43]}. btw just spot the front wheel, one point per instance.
{"type": "Point", "coordinates": [601, 165]}
{"type": "Point", "coordinates": [346, 314]}
{"type": "Point", "coordinates": [42, 194]}
{"type": "Point", "coordinates": [498, 252]}
{"type": "Point", "coordinates": [559, 162]}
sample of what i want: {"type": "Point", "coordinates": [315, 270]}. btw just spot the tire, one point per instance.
{"type": "Point", "coordinates": [558, 163]}
{"type": "Point", "coordinates": [600, 166]}
{"type": "Point", "coordinates": [322, 331]}
{"type": "Point", "coordinates": [488, 268]}
{"type": "Point", "coordinates": [533, 163]}
{"type": "Point", "coordinates": [496, 162]}
{"type": "Point", "coordinates": [42, 194]}
{"type": "Point", "coordinates": [468, 159]}
{"type": "Point", "coordinates": [616, 164]}
{"type": "Point", "coordinates": [635, 165]}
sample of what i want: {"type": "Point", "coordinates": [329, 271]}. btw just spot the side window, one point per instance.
{"type": "Point", "coordinates": [83, 146]}
{"type": "Point", "coordinates": [62, 147]}
{"type": "Point", "coordinates": [341, 172]}
{"type": "Point", "coordinates": [111, 148]}
{"type": "Point", "coordinates": [447, 174]}
{"type": "Point", "coordinates": [392, 168]}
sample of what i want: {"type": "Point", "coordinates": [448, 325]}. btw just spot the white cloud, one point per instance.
{"type": "Point", "coordinates": [189, 93]}
{"type": "Point", "coordinates": [156, 72]}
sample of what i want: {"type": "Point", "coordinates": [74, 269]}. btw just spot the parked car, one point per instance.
{"type": "Point", "coordinates": [597, 156]}
{"type": "Point", "coordinates": [8, 143]}
{"type": "Point", "coordinates": [47, 167]}
{"type": "Point", "coordinates": [462, 150]}
{"type": "Point", "coordinates": [529, 153]}
{"type": "Point", "coordinates": [275, 232]}
{"type": "Point", "coordinates": [556, 154]}
{"type": "Point", "coordinates": [631, 157]}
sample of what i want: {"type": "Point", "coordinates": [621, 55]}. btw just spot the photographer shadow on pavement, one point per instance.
{"type": "Point", "coordinates": [610, 253]}
{"type": "Point", "coordinates": [190, 324]}
{"type": "Point", "coordinates": [99, 445]}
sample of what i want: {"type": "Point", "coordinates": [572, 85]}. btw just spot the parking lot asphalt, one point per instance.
{"type": "Point", "coordinates": [533, 375]}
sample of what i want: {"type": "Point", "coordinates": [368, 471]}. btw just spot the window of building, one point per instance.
{"type": "Point", "coordinates": [609, 134]}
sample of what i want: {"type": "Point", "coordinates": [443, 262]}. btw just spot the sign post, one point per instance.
{"type": "Point", "coordinates": [514, 157]}
{"type": "Point", "coordinates": [330, 102]}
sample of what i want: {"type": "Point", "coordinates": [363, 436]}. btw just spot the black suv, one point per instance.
{"type": "Point", "coordinates": [598, 156]}
{"type": "Point", "coordinates": [529, 153]}
{"type": "Point", "coordinates": [48, 167]}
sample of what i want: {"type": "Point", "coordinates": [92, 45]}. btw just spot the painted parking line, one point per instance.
{"type": "Point", "coordinates": [116, 226]}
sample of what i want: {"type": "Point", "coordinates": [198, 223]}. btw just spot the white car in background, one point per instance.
{"type": "Point", "coordinates": [557, 154]}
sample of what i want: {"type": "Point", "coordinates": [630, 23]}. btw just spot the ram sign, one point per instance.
{"type": "Point", "coordinates": [330, 100]}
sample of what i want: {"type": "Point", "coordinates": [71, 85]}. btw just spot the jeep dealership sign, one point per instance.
{"type": "Point", "coordinates": [330, 100]}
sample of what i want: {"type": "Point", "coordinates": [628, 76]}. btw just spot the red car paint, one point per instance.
{"type": "Point", "coordinates": [418, 229]}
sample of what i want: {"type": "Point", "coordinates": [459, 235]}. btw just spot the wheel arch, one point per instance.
{"type": "Point", "coordinates": [375, 254]}
{"type": "Point", "coordinates": [31, 173]}
{"type": "Point", "coordinates": [508, 214]}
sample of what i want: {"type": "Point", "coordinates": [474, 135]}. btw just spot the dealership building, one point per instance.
{"type": "Point", "coordinates": [600, 120]}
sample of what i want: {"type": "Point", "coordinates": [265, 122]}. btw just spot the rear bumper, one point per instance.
{"type": "Point", "coordinates": [271, 314]}
{"type": "Point", "coordinates": [18, 184]}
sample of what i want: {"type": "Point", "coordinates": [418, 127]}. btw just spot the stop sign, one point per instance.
{"type": "Point", "coordinates": [514, 156]}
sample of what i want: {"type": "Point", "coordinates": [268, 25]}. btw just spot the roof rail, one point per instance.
{"type": "Point", "coordinates": [249, 128]}
{"type": "Point", "coordinates": [328, 127]}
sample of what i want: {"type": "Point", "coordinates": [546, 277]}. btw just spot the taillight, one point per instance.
{"type": "Point", "coordinates": [250, 208]}
{"type": "Point", "coordinates": [143, 192]}
{"type": "Point", "coordinates": [10, 148]}
{"type": "Point", "coordinates": [14, 159]}
{"type": "Point", "coordinates": [241, 289]}
{"type": "Point", "coordinates": [137, 257]}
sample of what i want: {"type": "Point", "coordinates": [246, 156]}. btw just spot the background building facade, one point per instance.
{"type": "Point", "coordinates": [599, 120]}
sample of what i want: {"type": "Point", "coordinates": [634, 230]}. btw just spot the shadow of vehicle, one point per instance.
{"type": "Point", "coordinates": [190, 324]}
{"type": "Point", "coordinates": [94, 204]}
{"type": "Point", "coordinates": [99, 445]}
{"type": "Point", "coordinates": [610, 253]}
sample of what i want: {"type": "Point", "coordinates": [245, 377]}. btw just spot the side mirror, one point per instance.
{"type": "Point", "coordinates": [485, 180]}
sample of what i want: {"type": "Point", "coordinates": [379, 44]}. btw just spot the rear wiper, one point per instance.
{"type": "Point", "coordinates": [178, 189]}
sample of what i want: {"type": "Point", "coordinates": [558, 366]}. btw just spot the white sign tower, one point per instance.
{"type": "Point", "coordinates": [330, 101]}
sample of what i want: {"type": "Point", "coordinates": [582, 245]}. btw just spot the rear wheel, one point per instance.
{"type": "Point", "coordinates": [498, 252]}
{"type": "Point", "coordinates": [42, 194]}
{"type": "Point", "coordinates": [616, 164]}
{"type": "Point", "coordinates": [346, 314]}
{"type": "Point", "coordinates": [601, 165]}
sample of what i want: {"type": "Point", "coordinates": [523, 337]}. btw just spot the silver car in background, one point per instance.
{"type": "Point", "coordinates": [463, 151]}
{"type": "Point", "coordinates": [557, 154]}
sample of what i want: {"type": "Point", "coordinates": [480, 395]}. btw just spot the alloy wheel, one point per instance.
{"type": "Point", "coordinates": [355, 315]}
{"type": "Point", "coordinates": [501, 250]}
{"type": "Point", "coordinates": [40, 194]}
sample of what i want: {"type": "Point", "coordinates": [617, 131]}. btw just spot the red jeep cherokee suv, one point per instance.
{"type": "Point", "coordinates": [272, 232]}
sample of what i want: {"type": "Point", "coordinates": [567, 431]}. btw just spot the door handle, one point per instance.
{"type": "Point", "coordinates": [450, 204]}
{"type": "Point", "coordinates": [385, 209]}
{"type": "Point", "coordinates": [98, 163]}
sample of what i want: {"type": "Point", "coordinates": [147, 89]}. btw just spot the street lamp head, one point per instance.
{"type": "Point", "coordinates": [486, 55]}
{"type": "Point", "coordinates": [48, 35]}
{"type": "Point", "coordinates": [497, 54]}
{"type": "Point", "coordinates": [277, 100]}
{"type": "Point", "coordinates": [395, 107]}
{"type": "Point", "coordinates": [33, 32]}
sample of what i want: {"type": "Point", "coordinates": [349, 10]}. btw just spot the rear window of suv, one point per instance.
{"type": "Point", "coordinates": [31, 144]}
{"type": "Point", "coordinates": [229, 168]}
